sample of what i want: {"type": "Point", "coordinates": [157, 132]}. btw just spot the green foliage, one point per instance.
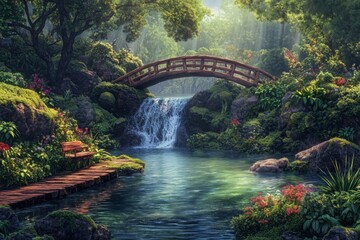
{"type": "Point", "coordinates": [273, 62]}
{"type": "Point", "coordinates": [312, 97]}
{"type": "Point", "coordinates": [127, 60]}
{"type": "Point", "coordinates": [8, 131]}
{"type": "Point", "coordinates": [15, 79]}
{"type": "Point", "coordinates": [319, 214]}
{"type": "Point", "coordinates": [347, 133]}
{"type": "Point", "coordinates": [206, 140]}
{"type": "Point", "coordinates": [345, 178]}
{"type": "Point", "coordinates": [270, 94]}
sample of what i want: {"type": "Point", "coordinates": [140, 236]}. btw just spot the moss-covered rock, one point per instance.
{"type": "Point", "coordinates": [339, 232]}
{"type": "Point", "coordinates": [321, 156]}
{"type": "Point", "coordinates": [297, 166]}
{"type": "Point", "coordinates": [127, 168]}
{"type": "Point", "coordinates": [25, 108]}
{"type": "Point", "coordinates": [128, 99]}
{"type": "Point", "coordinates": [107, 100]}
{"type": "Point", "coordinates": [63, 225]}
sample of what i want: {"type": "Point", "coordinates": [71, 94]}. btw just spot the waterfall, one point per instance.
{"type": "Point", "coordinates": [157, 120]}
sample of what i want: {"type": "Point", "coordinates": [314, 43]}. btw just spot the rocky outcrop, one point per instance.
{"type": "Point", "coordinates": [63, 225]}
{"type": "Point", "coordinates": [243, 107]}
{"type": "Point", "coordinates": [30, 123]}
{"type": "Point", "coordinates": [270, 165]}
{"type": "Point", "coordinates": [81, 82]}
{"type": "Point", "coordinates": [288, 107]}
{"type": "Point", "coordinates": [322, 156]}
{"type": "Point", "coordinates": [341, 233]}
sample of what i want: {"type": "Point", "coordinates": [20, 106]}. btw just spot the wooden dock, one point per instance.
{"type": "Point", "coordinates": [59, 186]}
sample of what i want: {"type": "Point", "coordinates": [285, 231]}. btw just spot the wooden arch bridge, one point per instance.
{"type": "Point", "coordinates": [188, 66]}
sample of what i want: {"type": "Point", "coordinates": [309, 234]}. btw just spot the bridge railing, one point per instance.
{"type": "Point", "coordinates": [201, 65]}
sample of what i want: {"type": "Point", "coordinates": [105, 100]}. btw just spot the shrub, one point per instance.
{"type": "Point", "coordinates": [8, 131]}
{"type": "Point", "coordinates": [345, 178]}
{"type": "Point", "coordinates": [15, 79]}
{"type": "Point", "coordinates": [270, 211]}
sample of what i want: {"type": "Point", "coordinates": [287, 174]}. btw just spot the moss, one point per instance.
{"type": "Point", "coordinates": [297, 166]}
{"type": "Point", "coordinates": [127, 60]}
{"type": "Point", "coordinates": [23, 233]}
{"type": "Point", "coordinates": [12, 95]}
{"type": "Point", "coordinates": [70, 217]}
{"type": "Point", "coordinates": [343, 143]}
{"type": "Point", "coordinates": [102, 51]}
{"type": "Point", "coordinates": [4, 224]}
{"type": "Point", "coordinates": [200, 111]}
{"type": "Point", "coordinates": [271, 142]}
{"type": "Point", "coordinates": [107, 100]}
{"type": "Point", "coordinates": [116, 88]}
{"type": "Point", "coordinates": [127, 168]}
{"type": "Point", "coordinates": [104, 120]}
{"type": "Point", "coordinates": [134, 160]}
{"type": "Point", "coordinates": [45, 237]}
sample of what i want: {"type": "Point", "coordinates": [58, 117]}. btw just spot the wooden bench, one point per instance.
{"type": "Point", "coordinates": [76, 150]}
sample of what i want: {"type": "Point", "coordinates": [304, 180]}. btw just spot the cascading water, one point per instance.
{"type": "Point", "coordinates": [157, 121]}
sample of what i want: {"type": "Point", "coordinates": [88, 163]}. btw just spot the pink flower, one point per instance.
{"type": "Point", "coordinates": [263, 221]}
{"type": "Point", "coordinates": [4, 147]}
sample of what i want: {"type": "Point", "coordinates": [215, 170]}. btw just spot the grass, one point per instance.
{"type": "Point", "coordinates": [344, 178]}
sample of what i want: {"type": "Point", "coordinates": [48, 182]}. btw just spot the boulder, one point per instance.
{"type": "Point", "coordinates": [63, 225]}
{"type": "Point", "coordinates": [29, 122]}
{"type": "Point", "coordinates": [322, 156]}
{"type": "Point", "coordinates": [81, 82]}
{"type": "Point", "coordinates": [84, 113]}
{"type": "Point", "coordinates": [243, 107]}
{"type": "Point", "coordinates": [341, 233]}
{"type": "Point", "coordinates": [270, 165]}
{"type": "Point", "coordinates": [288, 107]}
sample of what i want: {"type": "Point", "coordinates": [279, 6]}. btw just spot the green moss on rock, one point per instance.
{"type": "Point", "coordinates": [12, 95]}
{"type": "Point", "coordinates": [127, 168]}
{"type": "Point", "coordinates": [131, 159]}
{"type": "Point", "coordinates": [107, 100]}
{"type": "Point", "coordinates": [297, 166]}
{"type": "Point", "coordinates": [70, 217]}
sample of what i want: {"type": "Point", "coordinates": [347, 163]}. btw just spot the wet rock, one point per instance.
{"type": "Point", "coordinates": [341, 233]}
{"type": "Point", "coordinates": [322, 155]}
{"type": "Point", "coordinates": [270, 165]}
{"type": "Point", "coordinates": [63, 225]}
{"type": "Point", "coordinates": [243, 107]}
{"type": "Point", "coordinates": [85, 113]}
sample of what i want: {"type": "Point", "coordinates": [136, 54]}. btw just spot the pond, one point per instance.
{"type": "Point", "coordinates": [181, 195]}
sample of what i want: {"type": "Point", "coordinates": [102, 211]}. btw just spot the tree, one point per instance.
{"type": "Point", "coordinates": [334, 23]}
{"type": "Point", "coordinates": [43, 23]}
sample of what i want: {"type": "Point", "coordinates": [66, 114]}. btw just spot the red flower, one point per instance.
{"type": "Point", "coordinates": [4, 147]}
{"type": "Point", "coordinates": [262, 221]}
{"type": "Point", "coordinates": [294, 193]}
{"type": "Point", "coordinates": [235, 122]}
{"type": "Point", "coordinates": [340, 81]}
{"type": "Point", "coordinates": [292, 210]}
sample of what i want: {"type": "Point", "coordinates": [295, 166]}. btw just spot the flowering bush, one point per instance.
{"type": "Point", "coordinates": [4, 147]}
{"type": "Point", "coordinates": [235, 122]}
{"type": "Point", "coordinates": [340, 81]}
{"type": "Point", "coordinates": [270, 211]}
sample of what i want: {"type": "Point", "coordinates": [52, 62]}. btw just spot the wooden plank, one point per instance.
{"type": "Point", "coordinates": [58, 186]}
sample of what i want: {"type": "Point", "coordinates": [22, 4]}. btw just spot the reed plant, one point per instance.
{"type": "Point", "coordinates": [345, 177]}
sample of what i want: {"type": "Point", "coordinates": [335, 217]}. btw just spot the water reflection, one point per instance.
{"type": "Point", "coordinates": [181, 195]}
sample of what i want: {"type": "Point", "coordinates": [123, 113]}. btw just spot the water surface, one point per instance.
{"type": "Point", "coordinates": [181, 195]}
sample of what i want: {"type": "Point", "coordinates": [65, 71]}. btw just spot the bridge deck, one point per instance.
{"type": "Point", "coordinates": [206, 66]}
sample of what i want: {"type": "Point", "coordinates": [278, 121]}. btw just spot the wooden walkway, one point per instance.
{"type": "Point", "coordinates": [58, 186]}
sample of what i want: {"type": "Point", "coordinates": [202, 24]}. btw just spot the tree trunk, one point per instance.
{"type": "Point", "coordinates": [66, 55]}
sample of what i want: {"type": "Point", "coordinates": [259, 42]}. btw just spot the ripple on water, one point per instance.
{"type": "Point", "coordinates": [181, 195]}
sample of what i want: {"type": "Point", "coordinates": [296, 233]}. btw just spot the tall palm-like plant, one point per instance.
{"type": "Point", "coordinates": [345, 178]}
